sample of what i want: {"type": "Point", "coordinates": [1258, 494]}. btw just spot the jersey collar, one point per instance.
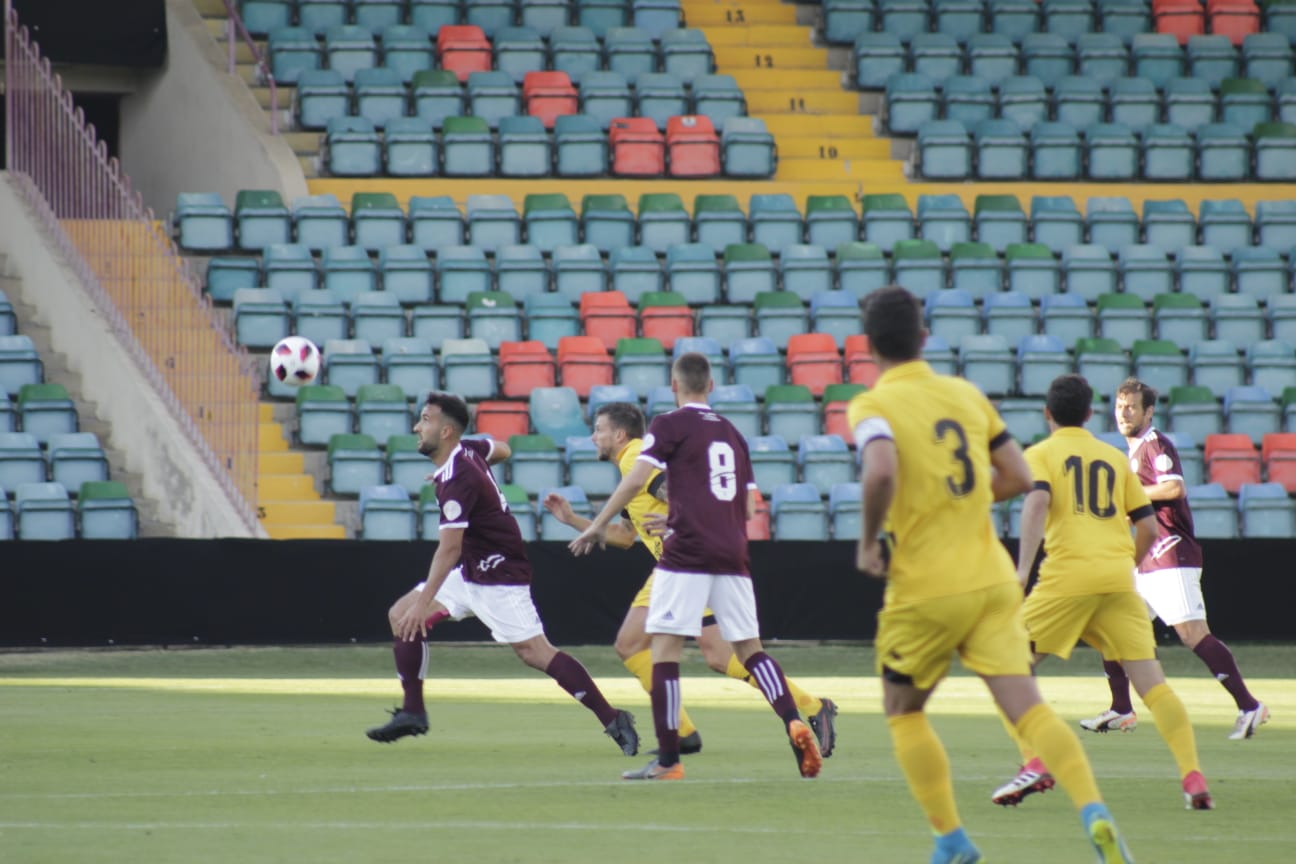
{"type": "Point", "coordinates": [1141, 440]}
{"type": "Point", "coordinates": [910, 369]}
{"type": "Point", "coordinates": [446, 471]}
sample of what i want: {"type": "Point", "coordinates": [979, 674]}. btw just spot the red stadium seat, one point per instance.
{"type": "Point", "coordinates": [692, 146]}
{"type": "Point", "coordinates": [583, 362]}
{"type": "Point", "coordinates": [1182, 18]}
{"type": "Point", "coordinates": [1231, 460]}
{"type": "Point", "coordinates": [638, 149]}
{"type": "Point", "coordinates": [606, 316]}
{"type": "Point", "coordinates": [1278, 453]}
{"type": "Point", "coordinates": [665, 323]}
{"type": "Point", "coordinates": [758, 527]}
{"type": "Point", "coordinates": [525, 366]}
{"type": "Point", "coordinates": [860, 366]}
{"type": "Point", "coordinates": [463, 49]}
{"type": "Point", "coordinates": [549, 95]}
{"type": "Point", "coordinates": [500, 419]}
{"type": "Point", "coordinates": [1235, 19]}
{"type": "Point", "coordinates": [813, 361]}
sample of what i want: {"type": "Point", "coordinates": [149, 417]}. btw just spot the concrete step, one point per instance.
{"type": "Point", "coordinates": [305, 532]}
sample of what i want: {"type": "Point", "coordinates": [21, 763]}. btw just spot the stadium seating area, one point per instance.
{"type": "Point", "coordinates": [54, 479]}
{"type": "Point", "coordinates": [537, 315]}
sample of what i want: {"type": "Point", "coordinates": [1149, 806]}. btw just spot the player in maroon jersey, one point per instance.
{"type": "Point", "coordinates": [704, 560]}
{"type": "Point", "coordinates": [1169, 578]}
{"type": "Point", "coordinates": [480, 569]}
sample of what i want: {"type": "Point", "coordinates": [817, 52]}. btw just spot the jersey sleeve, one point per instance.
{"type": "Point", "coordinates": [1039, 470]}
{"type": "Point", "coordinates": [996, 430]}
{"type": "Point", "coordinates": [457, 497]}
{"type": "Point", "coordinates": [481, 446]}
{"type": "Point", "coordinates": [1164, 462]}
{"type": "Point", "coordinates": [660, 443]}
{"type": "Point", "coordinates": [866, 422]}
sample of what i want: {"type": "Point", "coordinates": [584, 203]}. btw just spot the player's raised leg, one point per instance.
{"type": "Point", "coordinates": [822, 713]}
{"type": "Point", "coordinates": [538, 653]}
{"type": "Point", "coordinates": [1223, 666]}
{"type": "Point", "coordinates": [411, 666]}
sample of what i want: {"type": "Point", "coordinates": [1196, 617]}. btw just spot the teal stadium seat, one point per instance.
{"type": "Point", "coordinates": [21, 460]}
{"type": "Point", "coordinates": [380, 95]}
{"type": "Point", "coordinates": [797, 512]}
{"type": "Point", "coordinates": [756, 363]}
{"type": "Point", "coordinates": [203, 223]}
{"type": "Point", "coordinates": [775, 221]}
{"type": "Point", "coordinates": [320, 222]}
{"type": "Point", "coordinates": [409, 362]}
{"type": "Point", "coordinates": [468, 369]}
{"type": "Point", "coordinates": [377, 316]}
{"type": "Point", "coordinates": [519, 50]}
{"type": "Point", "coordinates": [773, 463]}
{"type": "Point", "coordinates": [944, 220]}
{"type": "Point", "coordinates": [105, 511]}
{"type": "Point", "coordinates": [410, 148]}
{"type": "Point", "coordinates": [348, 272]}
{"type": "Point", "coordinates": [574, 50]}
{"type": "Point", "coordinates": [349, 364]}
{"type": "Point", "coordinates": [434, 222]}
{"type": "Point", "coordinates": [407, 50]}
{"type": "Point", "coordinates": [387, 513]}
{"type": "Point", "coordinates": [44, 512]}
{"type": "Point", "coordinates": [260, 317]}
{"type": "Point", "coordinates": [437, 95]}
{"type": "Point", "coordinates": [406, 273]}
{"type": "Point", "coordinates": [520, 271]}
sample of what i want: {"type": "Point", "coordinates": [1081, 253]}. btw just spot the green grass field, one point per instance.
{"type": "Point", "coordinates": [252, 755]}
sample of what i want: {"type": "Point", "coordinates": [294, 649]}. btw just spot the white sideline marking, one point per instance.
{"type": "Point", "coordinates": [533, 827]}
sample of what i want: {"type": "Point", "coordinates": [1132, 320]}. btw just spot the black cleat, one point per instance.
{"type": "Point", "coordinates": [689, 744]}
{"type": "Point", "coordinates": [824, 725]}
{"type": "Point", "coordinates": [622, 731]}
{"type": "Point", "coordinates": [402, 723]}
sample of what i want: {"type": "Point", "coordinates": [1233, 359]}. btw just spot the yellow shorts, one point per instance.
{"type": "Point", "coordinates": [984, 626]}
{"type": "Point", "coordinates": [1116, 624]}
{"type": "Point", "coordinates": [641, 600]}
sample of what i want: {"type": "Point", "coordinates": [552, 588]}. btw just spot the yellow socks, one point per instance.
{"type": "Point", "coordinates": [1027, 753]}
{"type": "Point", "coordinates": [1172, 722]}
{"type": "Point", "coordinates": [640, 666]}
{"type": "Point", "coordinates": [1053, 741]}
{"type": "Point", "coordinates": [808, 705]}
{"type": "Point", "coordinates": [926, 767]}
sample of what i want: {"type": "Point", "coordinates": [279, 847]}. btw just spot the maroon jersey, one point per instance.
{"type": "Point", "coordinates": [493, 551]}
{"type": "Point", "coordinates": [708, 471]}
{"type": "Point", "coordinates": [1154, 458]}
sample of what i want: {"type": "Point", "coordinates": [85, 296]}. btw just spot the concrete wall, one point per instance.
{"type": "Point", "coordinates": [174, 475]}
{"type": "Point", "coordinates": [194, 128]}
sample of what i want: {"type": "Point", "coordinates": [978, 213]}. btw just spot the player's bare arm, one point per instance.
{"type": "Point", "coordinates": [1010, 475]}
{"type": "Point", "coordinates": [499, 452]}
{"type": "Point", "coordinates": [627, 489]}
{"type": "Point", "coordinates": [619, 534]}
{"type": "Point", "coordinates": [413, 624]}
{"type": "Point", "coordinates": [877, 488]}
{"type": "Point", "coordinates": [1034, 512]}
{"type": "Point", "coordinates": [1170, 489]}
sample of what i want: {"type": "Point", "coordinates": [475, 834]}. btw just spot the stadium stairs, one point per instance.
{"type": "Point", "coordinates": [58, 371]}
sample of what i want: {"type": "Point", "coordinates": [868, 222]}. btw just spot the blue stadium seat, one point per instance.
{"type": "Point", "coordinates": [550, 317]}
{"type": "Point", "coordinates": [836, 313]}
{"type": "Point", "coordinates": [407, 49]}
{"type": "Point", "coordinates": [861, 268]}
{"type": "Point", "coordinates": [468, 369]}
{"type": "Point", "coordinates": [382, 411]}
{"type": "Point", "coordinates": [1223, 152]}
{"type": "Point", "coordinates": [630, 52]}
{"type": "Point", "coordinates": [260, 319]}
{"type": "Point", "coordinates": [556, 412]}
{"type": "Point", "coordinates": [605, 95]}
{"type": "Point", "coordinates": [1168, 153]}
{"type": "Point", "coordinates": [796, 511]}
{"type": "Point", "coordinates": [406, 273]}
{"type": "Point", "coordinates": [467, 148]}
{"type": "Point", "coordinates": [936, 56]}
{"type": "Point", "coordinates": [203, 222]}
{"type": "Point", "coordinates": [387, 513]}
{"type": "Point", "coordinates": [1202, 270]}
{"type": "Point", "coordinates": [1266, 510]}
{"type": "Point", "coordinates": [1253, 411]}
{"type": "Point", "coordinates": [409, 362]}
{"type": "Point", "coordinates": [992, 56]}
{"type": "Point", "coordinates": [1238, 318]}
{"type": "Point", "coordinates": [1009, 314]}
{"type": "Point", "coordinates": [525, 148]}
{"type": "Point", "coordinates": [845, 510]}
{"type": "Point", "coordinates": [1215, 516]}
{"type": "Point", "coordinates": [911, 100]}
{"type": "Point", "coordinates": [875, 57]}
{"type": "Point", "coordinates": [1189, 102]}
{"type": "Point", "coordinates": [987, 362]}
{"type": "Point", "coordinates": [1040, 359]}
{"type": "Point", "coordinates": [520, 271]}
{"type": "Point", "coordinates": [1259, 272]}
{"type": "Point", "coordinates": [348, 271]}
{"type": "Point", "coordinates": [747, 147]}
{"type": "Point", "coordinates": [951, 314]}
{"type": "Point", "coordinates": [805, 270]}
{"type": "Point", "coordinates": [1112, 222]}
{"type": "Point", "coordinates": [737, 403]}
{"type": "Point", "coordinates": [824, 461]}
{"type": "Point", "coordinates": [1225, 224]}
{"type": "Point", "coordinates": [380, 95]}
{"type": "Point", "coordinates": [1055, 151]}
{"type": "Point", "coordinates": [44, 512]}
{"type": "Point", "coordinates": [519, 50]}
{"type": "Point", "coordinates": [318, 316]}
{"type": "Point", "coordinates": [377, 220]}
{"type": "Point", "coordinates": [320, 222]}
{"type": "Point", "coordinates": [635, 271]}
{"type": "Point", "coordinates": [1145, 271]}
{"type": "Point", "coordinates": [350, 364]}
{"type": "Point", "coordinates": [377, 316]}
{"type": "Point", "coordinates": [1067, 317]}
{"type": "Point", "coordinates": [773, 463]}
{"type": "Point", "coordinates": [756, 363]}
{"type": "Point", "coordinates": [21, 460]}
{"type": "Point", "coordinates": [434, 222]}
{"type": "Point", "coordinates": [293, 50]}
{"type": "Point", "coordinates": [1023, 99]}
{"type": "Point", "coordinates": [944, 150]}
{"type": "Point", "coordinates": [574, 50]}
{"type": "Point", "coordinates": [1216, 365]}
{"type": "Point", "coordinates": [1271, 363]}
{"type": "Point", "coordinates": [1112, 152]}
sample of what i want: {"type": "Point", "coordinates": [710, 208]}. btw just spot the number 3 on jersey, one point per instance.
{"type": "Point", "coordinates": [724, 478]}
{"type": "Point", "coordinates": [963, 480]}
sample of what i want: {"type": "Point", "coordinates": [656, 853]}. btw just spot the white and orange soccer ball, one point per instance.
{"type": "Point", "coordinates": [295, 361]}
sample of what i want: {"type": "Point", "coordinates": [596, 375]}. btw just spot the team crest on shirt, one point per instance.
{"type": "Point", "coordinates": [452, 510]}
{"type": "Point", "coordinates": [1163, 462]}
{"type": "Point", "coordinates": [1134, 465]}
{"type": "Point", "coordinates": [648, 441]}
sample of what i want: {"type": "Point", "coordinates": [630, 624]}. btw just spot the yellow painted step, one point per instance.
{"type": "Point", "coordinates": [719, 14]}
{"type": "Point", "coordinates": [827, 169]}
{"type": "Point", "coordinates": [271, 437]}
{"type": "Point", "coordinates": [828, 126]}
{"type": "Point", "coordinates": [731, 57]}
{"type": "Point", "coordinates": [296, 512]}
{"type": "Point", "coordinates": [780, 35]}
{"type": "Point", "coordinates": [286, 487]}
{"type": "Point", "coordinates": [265, 411]}
{"type": "Point", "coordinates": [802, 101]}
{"type": "Point", "coordinates": [787, 79]}
{"type": "Point", "coordinates": [281, 462]}
{"type": "Point", "coordinates": [306, 532]}
{"type": "Point", "coordinates": [822, 147]}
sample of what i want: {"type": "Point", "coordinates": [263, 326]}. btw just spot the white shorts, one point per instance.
{"type": "Point", "coordinates": [1174, 595]}
{"type": "Point", "coordinates": [679, 599]}
{"type": "Point", "coordinates": [507, 610]}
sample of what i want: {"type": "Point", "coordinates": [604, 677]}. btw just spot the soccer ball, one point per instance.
{"type": "Point", "coordinates": [295, 361]}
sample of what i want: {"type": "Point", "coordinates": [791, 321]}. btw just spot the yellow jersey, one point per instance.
{"type": "Point", "coordinates": [643, 504]}
{"type": "Point", "coordinates": [1092, 490]}
{"type": "Point", "coordinates": [943, 541]}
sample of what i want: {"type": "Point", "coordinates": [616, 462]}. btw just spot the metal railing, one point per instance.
{"type": "Point", "coordinates": [131, 269]}
{"type": "Point", "coordinates": [234, 26]}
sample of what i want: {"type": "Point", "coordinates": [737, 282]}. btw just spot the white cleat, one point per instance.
{"type": "Point", "coordinates": [1249, 721]}
{"type": "Point", "coordinates": [1111, 721]}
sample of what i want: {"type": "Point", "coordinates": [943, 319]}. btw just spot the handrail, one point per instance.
{"type": "Point", "coordinates": [129, 265]}
{"type": "Point", "coordinates": [234, 24]}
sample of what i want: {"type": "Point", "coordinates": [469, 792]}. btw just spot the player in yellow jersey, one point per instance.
{"type": "Point", "coordinates": [936, 454]}
{"type": "Point", "coordinates": [618, 433]}
{"type": "Point", "coordinates": [1083, 499]}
